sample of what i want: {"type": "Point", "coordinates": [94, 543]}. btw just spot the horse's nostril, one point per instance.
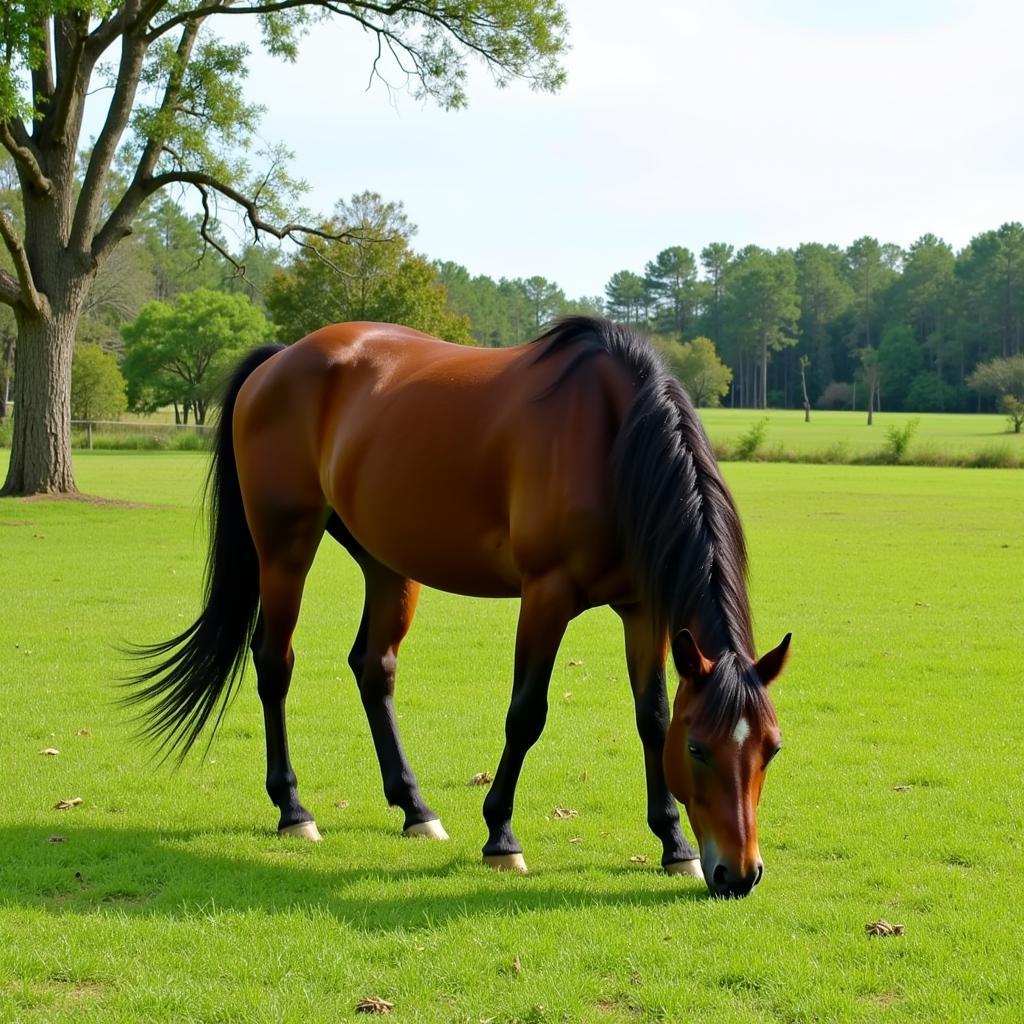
{"type": "Point", "coordinates": [720, 875]}
{"type": "Point", "coordinates": [758, 874]}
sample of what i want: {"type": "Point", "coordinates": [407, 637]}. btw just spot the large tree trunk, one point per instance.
{"type": "Point", "coordinates": [41, 446]}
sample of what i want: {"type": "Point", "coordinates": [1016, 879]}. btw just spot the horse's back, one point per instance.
{"type": "Point", "coordinates": [452, 465]}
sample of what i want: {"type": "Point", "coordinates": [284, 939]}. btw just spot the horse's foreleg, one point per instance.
{"type": "Point", "coordinates": [387, 615]}
{"type": "Point", "coordinates": [547, 606]}
{"type": "Point", "coordinates": [284, 563]}
{"type": "Point", "coordinates": [645, 659]}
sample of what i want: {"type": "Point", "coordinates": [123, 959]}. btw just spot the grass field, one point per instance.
{"type": "Point", "coordinates": [845, 436]}
{"type": "Point", "coordinates": [170, 899]}
{"type": "Point", "coordinates": [830, 437]}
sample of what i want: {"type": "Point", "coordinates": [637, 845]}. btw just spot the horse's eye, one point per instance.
{"type": "Point", "coordinates": [697, 752]}
{"type": "Point", "coordinates": [771, 757]}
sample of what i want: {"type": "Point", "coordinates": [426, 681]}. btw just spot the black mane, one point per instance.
{"type": "Point", "coordinates": [677, 521]}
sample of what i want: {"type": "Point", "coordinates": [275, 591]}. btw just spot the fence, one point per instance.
{"type": "Point", "coordinates": [138, 434]}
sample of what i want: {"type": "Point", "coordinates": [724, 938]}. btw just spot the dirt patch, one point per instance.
{"type": "Point", "coordinates": [86, 499]}
{"type": "Point", "coordinates": [883, 1000]}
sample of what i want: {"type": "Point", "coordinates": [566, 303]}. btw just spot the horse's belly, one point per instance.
{"type": "Point", "coordinates": [434, 520]}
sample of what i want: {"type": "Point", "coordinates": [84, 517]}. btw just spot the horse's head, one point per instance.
{"type": "Point", "coordinates": [722, 736]}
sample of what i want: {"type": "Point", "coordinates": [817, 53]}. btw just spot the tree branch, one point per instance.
{"type": "Point", "coordinates": [27, 293]}
{"type": "Point", "coordinates": [90, 201]}
{"type": "Point", "coordinates": [275, 6]}
{"type": "Point", "coordinates": [42, 74]}
{"type": "Point", "coordinates": [72, 74]}
{"type": "Point", "coordinates": [10, 290]}
{"type": "Point", "coordinates": [16, 140]}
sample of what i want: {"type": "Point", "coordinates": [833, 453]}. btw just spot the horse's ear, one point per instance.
{"type": "Point", "coordinates": [690, 663]}
{"type": "Point", "coordinates": [770, 665]}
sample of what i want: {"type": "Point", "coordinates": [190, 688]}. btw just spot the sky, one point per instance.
{"type": "Point", "coordinates": [746, 121]}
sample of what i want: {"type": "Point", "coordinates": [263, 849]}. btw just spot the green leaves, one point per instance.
{"type": "Point", "coordinates": [180, 352]}
{"type": "Point", "coordinates": [371, 275]}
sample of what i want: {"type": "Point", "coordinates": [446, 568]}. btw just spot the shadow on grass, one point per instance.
{"type": "Point", "coordinates": [174, 875]}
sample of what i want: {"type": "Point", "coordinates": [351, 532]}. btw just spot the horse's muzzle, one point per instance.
{"type": "Point", "coordinates": [724, 881]}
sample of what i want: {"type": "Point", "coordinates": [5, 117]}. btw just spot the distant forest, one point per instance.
{"type": "Point", "coordinates": [911, 322]}
{"type": "Point", "coordinates": [910, 325]}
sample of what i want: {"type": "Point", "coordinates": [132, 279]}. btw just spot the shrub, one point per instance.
{"type": "Point", "coordinates": [751, 439]}
{"type": "Point", "coordinates": [837, 395]}
{"type": "Point", "coordinates": [6, 432]}
{"type": "Point", "coordinates": [1014, 409]}
{"type": "Point", "coordinates": [897, 439]}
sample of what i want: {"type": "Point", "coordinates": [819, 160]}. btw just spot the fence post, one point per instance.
{"type": "Point", "coordinates": [88, 431]}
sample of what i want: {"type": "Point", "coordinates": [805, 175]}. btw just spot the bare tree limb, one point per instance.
{"type": "Point", "coordinates": [28, 295]}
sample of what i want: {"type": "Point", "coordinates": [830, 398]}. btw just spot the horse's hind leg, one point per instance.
{"type": "Point", "coordinates": [387, 614]}
{"type": "Point", "coordinates": [645, 659]}
{"type": "Point", "coordinates": [286, 547]}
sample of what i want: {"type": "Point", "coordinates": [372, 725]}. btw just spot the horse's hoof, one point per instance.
{"type": "Point", "coordinates": [432, 829]}
{"type": "Point", "coordinates": [506, 862]}
{"type": "Point", "coordinates": [685, 867]}
{"type": "Point", "coordinates": [302, 830]}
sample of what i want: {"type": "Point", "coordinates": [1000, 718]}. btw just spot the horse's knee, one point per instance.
{"type": "Point", "coordinates": [357, 662]}
{"type": "Point", "coordinates": [376, 678]}
{"type": "Point", "coordinates": [525, 720]}
{"type": "Point", "coordinates": [273, 673]}
{"type": "Point", "coordinates": [651, 725]}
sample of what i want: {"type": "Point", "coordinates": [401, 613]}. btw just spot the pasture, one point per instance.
{"type": "Point", "coordinates": [836, 437]}
{"type": "Point", "coordinates": [170, 898]}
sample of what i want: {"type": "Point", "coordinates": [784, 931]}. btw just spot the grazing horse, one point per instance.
{"type": "Point", "coordinates": [570, 472]}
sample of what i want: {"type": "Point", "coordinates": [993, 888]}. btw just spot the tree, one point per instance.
{"type": "Point", "coordinates": [697, 367]}
{"type": "Point", "coordinates": [872, 375]}
{"type": "Point", "coordinates": [715, 259]}
{"type": "Point", "coordinates": [1003, 378]}
{"type": "Point", "coordinates": [627, 298]}
{"type": "Point", "coordinates": [545, 297]}
{"type": "Point", "coordinates": [371, 275]}
{"type": "Point", "coordinates": [900, 361]}
{"type": "Point", "coordinates": [178, 353]}
{"type": "Point", "coordinates": [804, 363]}
{"type": "Point", "coordinates": [97, 387]}
{"type": "Point", "coordinates": [177, 116]}
{"type": "Point", "coordinates": [671, 280]}
{"type": "Point", "coordinates": [870, 271]}
{"type": "Point", "coordinates": [762, 310]}
{"type": "Point", "coordinates": [824, 295]}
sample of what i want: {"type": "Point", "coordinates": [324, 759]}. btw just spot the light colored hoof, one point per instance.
{"type": "Point", "coordinates": [303, 830]}
{"type": "Point", "coordinates": [427, 830]}
{"type": "Point", "coordinates": [685, 867]}
{"type": "Point", "coordinates": [507, 862]}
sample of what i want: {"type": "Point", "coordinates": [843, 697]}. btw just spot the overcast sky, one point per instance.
{"type": "Point", "coordinates": [764, 121]}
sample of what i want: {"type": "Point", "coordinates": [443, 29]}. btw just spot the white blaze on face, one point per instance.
{"type": "Point", "coordinates": [741, 732]}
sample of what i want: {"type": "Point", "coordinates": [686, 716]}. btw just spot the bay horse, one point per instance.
{"type": "Point", "coordinates": [571, 472]}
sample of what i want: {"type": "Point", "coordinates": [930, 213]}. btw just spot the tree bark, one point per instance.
{"type": "Point", "coordinates": [803, 384]}
{"type": "Point", "coordinates": [41, 446]}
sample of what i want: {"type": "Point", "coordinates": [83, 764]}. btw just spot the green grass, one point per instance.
{"type": "Point", "coordinates": [898, 794]}
{"type": "Point", "coordinates": [844, 437]}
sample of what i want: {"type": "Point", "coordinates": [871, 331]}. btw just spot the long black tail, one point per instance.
{"type": "Point", "coordinates": [199, 668]}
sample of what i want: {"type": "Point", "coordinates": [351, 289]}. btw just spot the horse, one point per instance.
{"type": "Point", "coordinates": [570, 472]}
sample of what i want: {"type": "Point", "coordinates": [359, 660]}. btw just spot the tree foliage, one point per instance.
{"type": "Point", "coordinates": [97, 387]}
{"type": "Point", "coordinates": [178, 353]}
{"type": "Point", "coordinates": [698, 368]}
{"type": "Point", "coordinates": [177, 115]}
{"type": "Point", "coordinates": [369, 274]}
